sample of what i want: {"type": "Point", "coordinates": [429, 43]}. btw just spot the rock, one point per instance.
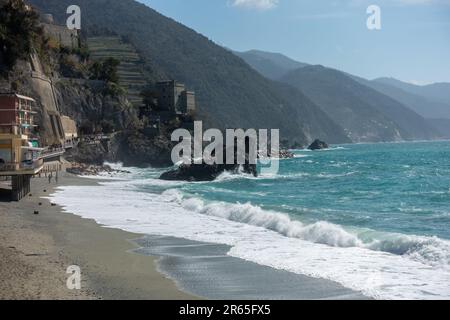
{"type": "Point", "coordinates": [285, 154]}
{"type": "Point", "coordinates": [204, 172]}
{"type": "Point", "coordinates": [318, 145]}
{"type": "Point", "coordinates": [83, 169]}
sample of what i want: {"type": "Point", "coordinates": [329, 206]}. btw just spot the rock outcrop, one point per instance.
{"type": "Point", "coordinates": [82, 169]}
{"type": "Point", "coordinates": [204, 172]}
{"type": "Point", "coordinates": [318, 145]}
{"type": "Point", "coordinates": [285, 154]}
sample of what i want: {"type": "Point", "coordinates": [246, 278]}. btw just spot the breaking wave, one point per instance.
{"type": "Point", "coordinates": [428, 250]}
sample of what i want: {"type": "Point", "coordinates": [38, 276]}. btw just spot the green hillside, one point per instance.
{"type": "Point", "coordinates": [130, 72]}
{"type": "Point", "coordinates": [229, 92]}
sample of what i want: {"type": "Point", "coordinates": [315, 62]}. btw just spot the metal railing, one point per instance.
{"type": "Point", "coordinates": [9, 166]}
{"type": "Point", "coordinates": [25, 165]}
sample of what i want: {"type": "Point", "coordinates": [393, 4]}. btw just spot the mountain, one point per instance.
{"type": "Point", "coordinates": [431, 101]}
{"type": "Point", "coordinates": [229, 92]}
{"type": "Point", "coordinates": [365, 113]}
{"type": "Point", "coordinates": [423, 106]}
{"type": "Point", "coordinates": [271, 65]}
{"type": "Point", "coordinates": [358, 115]}
{"type": "Point", "coordinates": [435, 91]}
{"type": "Point", "coordinates": [443, 125]}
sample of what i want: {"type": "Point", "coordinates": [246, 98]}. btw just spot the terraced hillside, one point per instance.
{"type": "Point", "coordinates": [130, 68]}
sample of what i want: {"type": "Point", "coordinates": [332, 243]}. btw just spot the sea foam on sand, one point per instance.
{"type": "Point", "coordinates": [397, 267]}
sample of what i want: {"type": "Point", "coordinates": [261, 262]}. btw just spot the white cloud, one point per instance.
{"type": "Point", "coordinates": [255, 4]}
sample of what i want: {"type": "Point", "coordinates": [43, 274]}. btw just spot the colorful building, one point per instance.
{"type": "Point", "coordinates": [19, 156]}
{"type": "Point", "coordinates": [16, 114]}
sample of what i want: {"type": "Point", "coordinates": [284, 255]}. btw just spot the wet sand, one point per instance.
{"type": "Point", "coordinates": [206, 269]}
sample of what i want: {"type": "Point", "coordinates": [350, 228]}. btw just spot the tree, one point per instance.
{"type": "Point", "coordinates": [19, 31]}
{"type": "Point", "coordinates": [107, 126]}
{"type": "Point", "coordinates": [150, 98]}
{"type": "Point", "coordinates": [110, 70]}
{"type": "Point", "coordinates": [105, 70]}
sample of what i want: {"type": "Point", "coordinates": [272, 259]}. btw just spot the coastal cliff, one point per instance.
{"type": "Point", "coordinates": [63, 81]}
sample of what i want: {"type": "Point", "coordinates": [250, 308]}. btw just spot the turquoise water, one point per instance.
{"type": "Point", "coordinates": [372, 217]}
{"type": "Point", "coordinates": [401, 187]}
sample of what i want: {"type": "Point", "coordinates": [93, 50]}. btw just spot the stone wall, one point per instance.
{"type": "Point", "coordinates": [67, 38]}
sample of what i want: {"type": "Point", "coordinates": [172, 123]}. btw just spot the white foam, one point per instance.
{"type": "Point", "coordinates": [397, 267]}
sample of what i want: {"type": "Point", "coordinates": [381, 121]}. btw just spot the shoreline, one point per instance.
{"type": "Point", "coordinates": [116, 264]}
{"type": "Point", "coordinates": [200, 268]}
{"type": "Point", "coordinates": [36, 250]}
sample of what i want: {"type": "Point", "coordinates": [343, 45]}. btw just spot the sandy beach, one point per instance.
{"type": "Point", "coordinates": [37, 249]}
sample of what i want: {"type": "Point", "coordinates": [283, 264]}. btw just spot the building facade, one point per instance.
{"type": "Point", "coordinates": [173, 97]}
{"type": "Point", "coordinates": [63, 35]}
{"type": "Point", "coordinates": [187, 102]}
{"type": "Point", "coordinates": [19, 158]}
{"type": "Point", "coordinates": [16, 114]}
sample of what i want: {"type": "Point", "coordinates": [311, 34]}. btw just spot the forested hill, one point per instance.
{"type": "Point", "coordinates": [229, 92]}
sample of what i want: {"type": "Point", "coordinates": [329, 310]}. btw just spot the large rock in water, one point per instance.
{"type": "Point", "coordinates": [318, 145]}
{"type": "Point", "coordinates": [204, 172]}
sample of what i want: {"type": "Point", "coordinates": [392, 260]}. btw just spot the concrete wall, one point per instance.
{"type": "Point", "coordinates": [69, 127]}
{"type": "Point", "coordinates": [49, 111]}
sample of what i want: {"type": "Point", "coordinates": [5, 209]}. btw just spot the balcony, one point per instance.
{"type": "Point", "coordinates": [28, 167]}
{"type": "Point", "coordinates": [9, 166]}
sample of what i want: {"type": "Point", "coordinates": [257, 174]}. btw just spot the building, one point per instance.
{"type": "Point", "coordinates": [187, 102]}
{"type": "Point", "coordinates": [16, 115]}
{"type": "Point", "coordinates": [63, 35]}
{"type": "Point", "coordinates": [173, 97]}
{"type": "Point", "coordinates": [19, 158]}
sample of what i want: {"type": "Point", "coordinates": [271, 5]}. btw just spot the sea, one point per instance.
{"type": "Point", "coordinates": [372, 218]}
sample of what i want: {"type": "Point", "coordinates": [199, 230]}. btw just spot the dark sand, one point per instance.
{"type": "Point", "coordinates": [206, 270]}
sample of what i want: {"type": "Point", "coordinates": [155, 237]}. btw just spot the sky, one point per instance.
{"type": "Point", "coordinates": [413, 44]}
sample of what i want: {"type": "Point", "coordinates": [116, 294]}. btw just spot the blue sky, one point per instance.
{"type": "Point", "coordinates": [413, 44]}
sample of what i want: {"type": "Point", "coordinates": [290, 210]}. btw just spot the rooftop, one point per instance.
{"type": "Point", "coordinates": [18, 96]}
